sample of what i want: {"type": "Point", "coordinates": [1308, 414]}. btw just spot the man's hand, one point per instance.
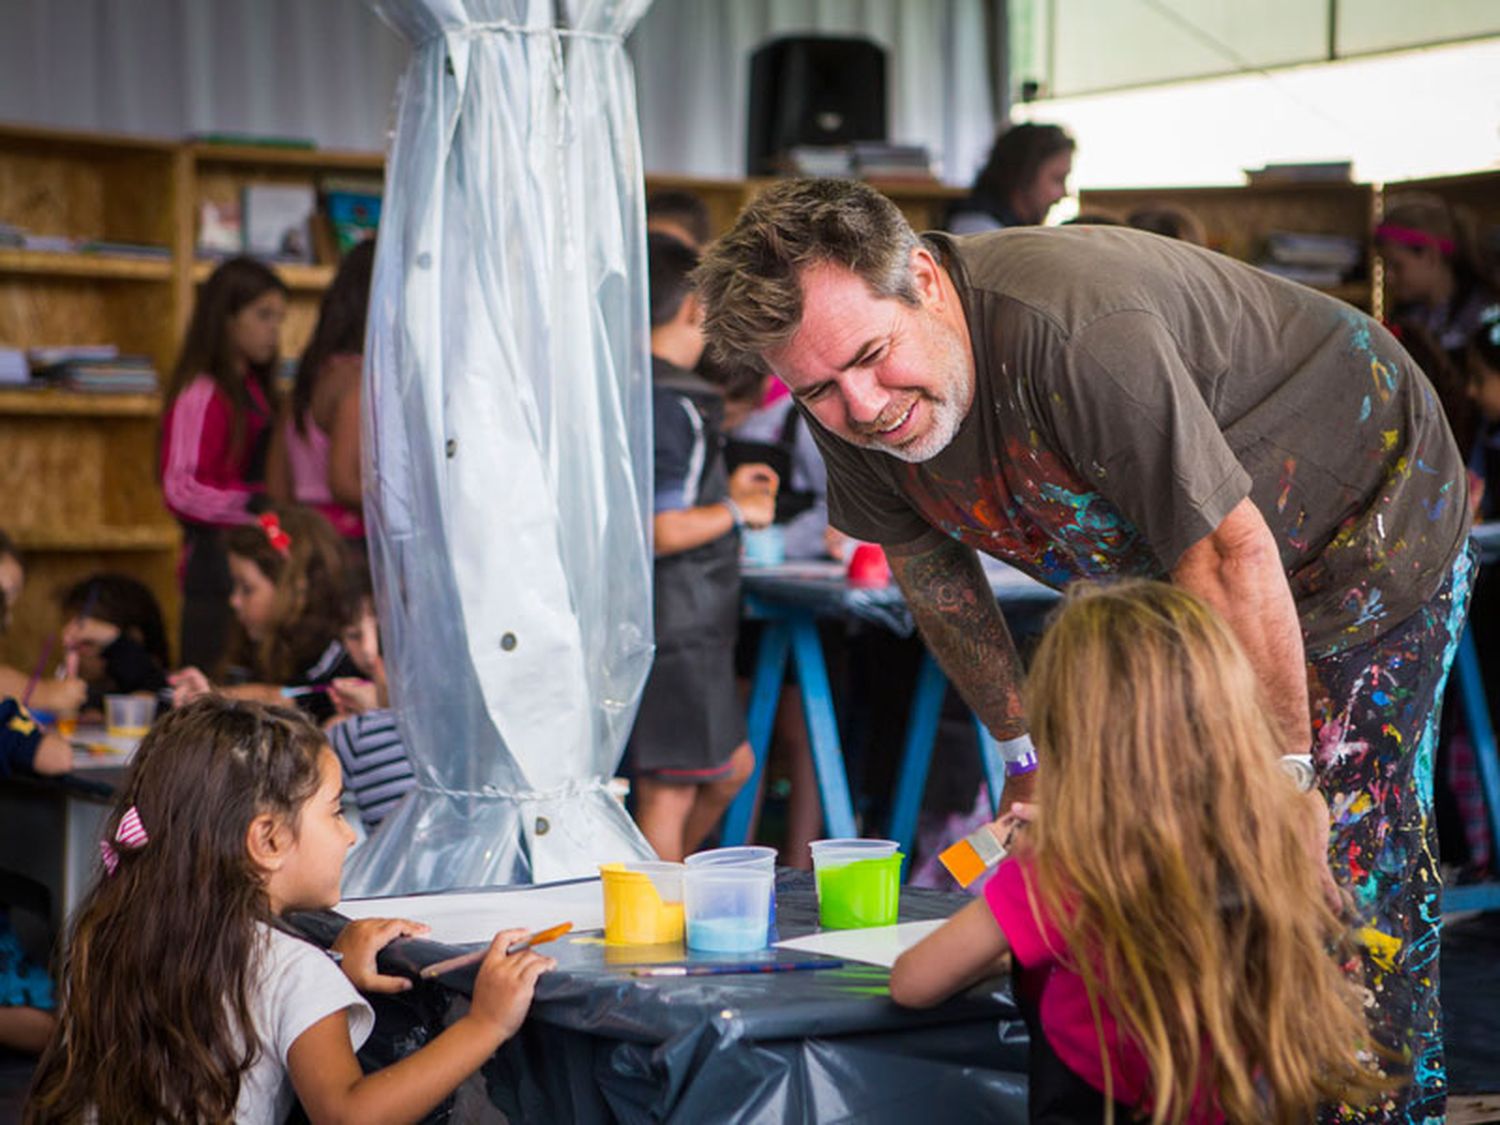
{"type": "Point", "coordinates": [753, 489]}
{"type": "Point", "coordinates": [361, 940]}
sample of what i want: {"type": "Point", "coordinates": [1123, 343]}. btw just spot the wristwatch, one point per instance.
{"type": "Point", "coordinates": [1299, 767]}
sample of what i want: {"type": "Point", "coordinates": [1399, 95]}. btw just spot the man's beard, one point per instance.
{"type": "Point", "coordinates": [946, 410]}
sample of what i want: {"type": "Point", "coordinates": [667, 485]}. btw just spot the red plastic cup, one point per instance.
{"type": "Point", "coordinates": [868, 566]}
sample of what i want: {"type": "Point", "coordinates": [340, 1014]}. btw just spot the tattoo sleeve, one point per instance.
{"type": "Point", "coordinates": [951, 600]}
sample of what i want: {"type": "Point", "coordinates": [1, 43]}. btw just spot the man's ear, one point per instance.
{"type": "Point", "coordinates": [927, 277]}
{"type": "Point", "coordinates": [268, 841]}
{"type": "Point", "coordinates": [691, 311]}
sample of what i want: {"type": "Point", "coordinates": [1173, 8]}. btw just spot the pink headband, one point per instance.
{"type": "Point", "coordinates": [1411, 236]}
{"type": "Point", "coordinates": [130, 835]}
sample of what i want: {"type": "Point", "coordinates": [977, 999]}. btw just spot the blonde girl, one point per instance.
{"type": "Point", "coordinates": [1163, 908]}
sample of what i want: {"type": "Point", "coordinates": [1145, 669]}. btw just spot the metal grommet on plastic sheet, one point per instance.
{"type": "Point", "coordinates": [451, 447]}
{"type": "Point", "coordinates": [542, 825]}
{"type": "Point", "coordinates": [424, 260]}
{"type": "Point", "coordinates": [508, 642]}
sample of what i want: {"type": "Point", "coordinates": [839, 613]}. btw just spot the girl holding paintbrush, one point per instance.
{"type": "Point", "coordinates": [1163, 906]}
{"type": "Point", "coordinates": [288, 579]}
{"type": "Point", "coordinates": [185, 997]}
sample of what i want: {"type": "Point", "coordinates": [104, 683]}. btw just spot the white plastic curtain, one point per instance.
{"type": "Point", "coordinates": [507, 441]}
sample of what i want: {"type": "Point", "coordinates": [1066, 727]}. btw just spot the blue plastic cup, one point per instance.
{"type": "Point", "coordinates": [743, 855]}
{"type": "Point", "coordinates": [726, 907]}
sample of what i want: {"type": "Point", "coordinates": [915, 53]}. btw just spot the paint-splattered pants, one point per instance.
{"type": "Point", "coordinates": [1375, 722]}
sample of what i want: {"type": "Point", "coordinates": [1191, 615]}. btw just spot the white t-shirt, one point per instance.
{"type": "Point", "coordinates": [297, 984]}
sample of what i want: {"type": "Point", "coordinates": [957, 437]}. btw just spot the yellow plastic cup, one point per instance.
{"type": "Point", "coordinates": [128, 716]}
{"type": "Point", "coordinates": [642, 903]}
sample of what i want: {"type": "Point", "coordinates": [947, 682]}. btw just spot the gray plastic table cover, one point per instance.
{"type": "Point", "coordinates": [602, 1047]}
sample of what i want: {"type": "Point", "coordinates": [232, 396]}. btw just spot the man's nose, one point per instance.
{"type": "Point", "coordinates": [864, 395]}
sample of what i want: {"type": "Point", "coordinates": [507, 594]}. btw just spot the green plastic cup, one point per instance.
{"type": "Point", "coordinates": [853, 892]}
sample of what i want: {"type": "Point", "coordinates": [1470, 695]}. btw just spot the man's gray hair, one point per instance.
{"type": "Point", "coordinates": [750, 279]}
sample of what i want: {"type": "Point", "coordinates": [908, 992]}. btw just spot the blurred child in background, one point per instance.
{"type": "Point", "coordinates": [287, 599]}
{"type": "Point", "coordinates": [216, 428]}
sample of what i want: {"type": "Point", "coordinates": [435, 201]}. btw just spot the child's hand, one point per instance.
{"type": "Point", "coordinates": [361, 940]}
{"type": "Point", "coordinates": [62, 696]}
{"type": "Point", "coordinates": [506, 983]}
{"type": "Point", "coordinates": [54, 754]}
{"type": "Point", "coordinates": [353, 696]}
{"type": "Point", "coordinates": [187, 685]}
{"type": "Point", "coordinates": [753, 489]}
{"type": "Point", "coordinates": [1007, 828]}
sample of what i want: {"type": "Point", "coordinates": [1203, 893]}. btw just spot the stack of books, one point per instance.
{"type": "Point", "coordinates": [93, 369]}
{"type": "Point", "coordinates": [817, 160]}
{"type": "Point", "coordinates": [1314, 172]}
{"type": "Point", "coordinates": [1319, 260]}
{"type": "Point", "coordinates": [878, 160]}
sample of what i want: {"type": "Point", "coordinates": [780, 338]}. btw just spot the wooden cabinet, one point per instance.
{"type": "Point", "coordinates": [1237, 220]}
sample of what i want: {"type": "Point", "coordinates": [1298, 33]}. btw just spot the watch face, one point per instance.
{"type": "Point", "coordinates": [1299, 768]}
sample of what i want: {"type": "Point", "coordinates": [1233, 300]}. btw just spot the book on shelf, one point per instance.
{"type": "Point", "coordinates": [352, 208]}
{"type": "Point", "coordinates": [14, 370]}
{"type": "Point", "coordinates": [252, 140]}
{"type": "Point", "coordinates": [145, 251]}
{"type": "Point", "coordinates": [221, 234]}
{"type": "Point", "coordinates": [121, 374]}
{"type": "Point", "coordinates": [278, 221]}
{"type": "Point", "coordinates": [880, 160]}
{"type": "Point", "coordinates": [71, 353]}
{"type": "Point", "coordinates": [1311, 172]}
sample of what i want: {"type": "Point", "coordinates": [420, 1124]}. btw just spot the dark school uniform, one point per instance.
{"type": "Point", "coordinates": [376, 767]}
{"type": "Point", "coordinates": [690, 720]}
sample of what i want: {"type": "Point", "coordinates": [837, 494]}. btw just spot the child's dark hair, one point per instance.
{"type": "Point", "coordinates": [684, 208]}
{"type": "Point", "coordinates": [1018, 154]}
{"type": "Point", "coordinates": [124, 602]}
{"type": "Point", "coordinates": [340, 327]}
{"type": "Point", "coordinates": [155, 1021]}
{"type": "Point", "coordinates": [359, 588]}
{"type": "Point", "coordinates": [671, 267]}
{"type": "Point", "coordinates": [206, 349]}
{"type": "Point", "coordinates": [309, 580]}
{"type": "Point", "coordinates": [1484, 348]}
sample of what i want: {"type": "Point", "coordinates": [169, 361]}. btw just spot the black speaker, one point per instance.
{"type": "Point", "coordinates": [813, 90]}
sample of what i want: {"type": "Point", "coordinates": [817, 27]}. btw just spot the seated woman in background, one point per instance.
{"type": "Point", "coordinates": [113, 624]}
{"type": "Point", "coordinates": [315, 451]}
{"type": "Point", "coordinates": [287, 599]}
{"type": "Point", "coordinates": [1027, 172]}
{"type": "Point", "coordinates": [1437, 273]}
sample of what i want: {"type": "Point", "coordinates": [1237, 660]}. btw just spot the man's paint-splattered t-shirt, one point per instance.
{"type": "Point", "coordinates": [1131, 390]}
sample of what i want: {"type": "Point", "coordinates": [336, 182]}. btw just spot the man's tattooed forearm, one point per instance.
{"type": "Point", "coordinates": [950, 599]}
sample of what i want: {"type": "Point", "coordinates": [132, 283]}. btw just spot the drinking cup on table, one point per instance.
{"type": "Point", "coordinates": [763, 546]}
{"type": "Point", "coordinates": [128, 716]}
{"type": "Point", "coordinates": [858, 882]}
{"type": "Point", "coordinates": [742, 855]}
{"type": "Point", "coordinates": [726, 907]}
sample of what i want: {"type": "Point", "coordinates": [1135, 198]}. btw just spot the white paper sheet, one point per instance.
{"type": "Point", "coordinates": [463, 917]}
{"type": "Point", "coordinates": [94, 748]}
{"type": "Point", "coordinates": [877, 945]}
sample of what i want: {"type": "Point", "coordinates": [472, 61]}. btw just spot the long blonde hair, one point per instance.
{"type": "Point", "coordinates": [1169, 854]}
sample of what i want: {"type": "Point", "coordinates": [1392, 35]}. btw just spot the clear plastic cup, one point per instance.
{"type": "Point", "coordinates": [858, 882]}
{"type": "Point", "coordinates": [726, 907]}
{"type": "Point", "coordinates": [754, 856]}
{"type": "Point", "coordinates": [129, 716]}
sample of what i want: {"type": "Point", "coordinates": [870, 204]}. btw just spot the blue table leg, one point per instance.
{"type": "Point", "coordinates": [916, 757]}
{"type": "Point", "coordinates": [994, 765]}
{"type": "Point", "coordinates": [765, 694]}
{"type": "Point", "coordinates": [822, 728]}
{"type": "Point", "coordinates": [1480, 896]}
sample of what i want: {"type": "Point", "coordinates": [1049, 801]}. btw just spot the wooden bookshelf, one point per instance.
{"type": "Point", "coordinates": [1237, 220]}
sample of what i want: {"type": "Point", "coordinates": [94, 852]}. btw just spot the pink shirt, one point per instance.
{"type": "Point", "coordinates": [1063, 1004]}
{"type": "Point", "coordinates": [307, 456]}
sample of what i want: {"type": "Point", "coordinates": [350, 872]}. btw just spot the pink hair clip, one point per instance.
{"type": "Point", "coordinates": [130, 835]}
{"type": "Point", "coordinates": [280, 541]}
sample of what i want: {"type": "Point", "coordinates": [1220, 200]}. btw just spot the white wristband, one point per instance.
{"type": "Point", "coordinates": [734, 513]}
{"type": "Point", "coordinates": [1019, 754]}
